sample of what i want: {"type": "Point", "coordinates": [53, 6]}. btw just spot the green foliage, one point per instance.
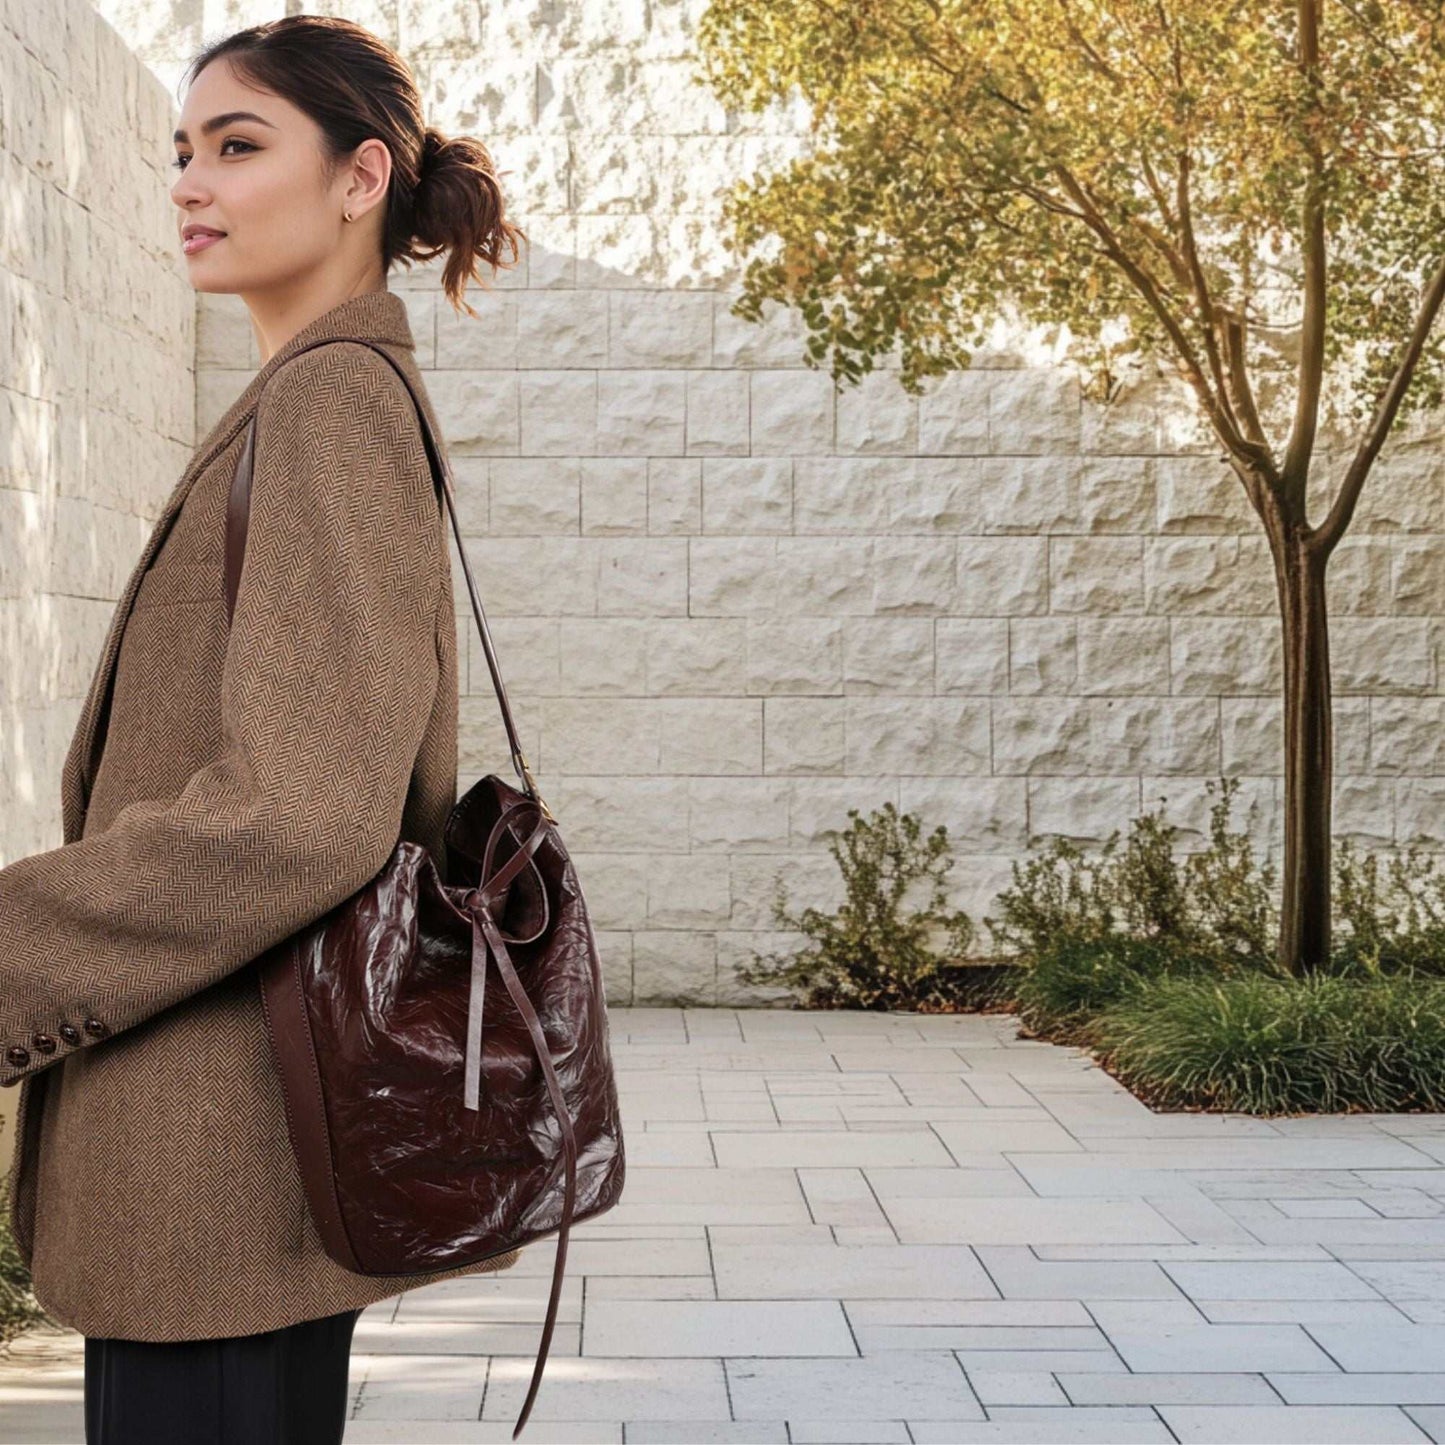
{"type": "Point", "coordinates": [1059, 893]}
{"type": "Point", "coordinates": [878, 950]}
{"type": "Point", "coordinates": [1164, 969]}
{"type": "Point", "coordinates": [1161, 964]}
{"type": "Point", "coordinates": [1392, 925]}
{"type": "Point", "coordinates": [1273, 1045]}
{"type": "Point", "coordinates": [1234, 896]}
{"type": "Point", "coordinates": [1216, 904]}
{"type": "Point", "coordinates": [1075, 979]}
{"type": "Point", "coordinates": [18, 1309]}
{"type": "Point", "coordinates": [1140, 177]}
{"type": "Point", "coordinates": [1245, 193]}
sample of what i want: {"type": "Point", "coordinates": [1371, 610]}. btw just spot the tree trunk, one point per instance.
{"type": "Point", "coordinates": [1304, 932]}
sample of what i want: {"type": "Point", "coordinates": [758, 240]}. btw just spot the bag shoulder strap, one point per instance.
{"type": "Point", "coordinates": [238, 508]}
{"type": "Point", "coordinates": [486, 933]}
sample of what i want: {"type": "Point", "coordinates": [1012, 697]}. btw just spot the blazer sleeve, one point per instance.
{"type": "Point", "coordinates": [330, 673]}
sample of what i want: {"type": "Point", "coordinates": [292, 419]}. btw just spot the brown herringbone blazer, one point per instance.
{"type": "Point", "coordinates": [221, 790]}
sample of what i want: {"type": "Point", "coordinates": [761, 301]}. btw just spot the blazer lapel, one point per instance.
{"type": "Point", "coordinates": [379, 315]}
{"type": "Point", "coordinates": [75, 791]}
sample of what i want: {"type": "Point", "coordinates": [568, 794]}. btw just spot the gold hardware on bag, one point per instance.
{"type": "Point", "coordinates": [531, 783]}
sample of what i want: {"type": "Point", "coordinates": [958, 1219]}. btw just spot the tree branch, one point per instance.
{"type": "Point", "coordinates": [1328, 533]}
{"type": "Point", "coordinates": [1223, 423]}
{"type": "Point", "coordinates": [1091, 54]}
{"type": "Point", "coordinates": [1312, 331]}
{"type": "Point", "coordinates": [1156, 189]}
{"type": "Point", "coordinates": [1233, 330]}
{"type": "Point", "coordinates": [1208, 321]}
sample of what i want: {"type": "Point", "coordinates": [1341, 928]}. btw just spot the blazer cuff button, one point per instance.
{"type": "Point", "coordinates": [17, 1057]}
{"type": "Point", "coordinates": [45, 1043]}
{"type": "Point", "coordinates": [96, 1028]}
{"type": "Point", "coordinates": [69, 1033]}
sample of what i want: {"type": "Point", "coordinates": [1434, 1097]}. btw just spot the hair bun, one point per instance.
{"type": "Point", "coordinates": [432, 145]}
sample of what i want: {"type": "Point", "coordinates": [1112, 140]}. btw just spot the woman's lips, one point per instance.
{"type": "Point", "coordinates": [199, 242]}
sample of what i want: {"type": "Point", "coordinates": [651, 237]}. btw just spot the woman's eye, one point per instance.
{"type": "Point", "coordinates": [180, 161]}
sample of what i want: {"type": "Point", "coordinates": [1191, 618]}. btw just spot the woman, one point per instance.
{"type": "Point", "coordinates": [226, 785]}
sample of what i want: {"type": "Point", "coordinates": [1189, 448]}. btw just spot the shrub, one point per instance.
{"type": "Point", "coordinates": [18, 1308]}
{"type": "Point", "coordinates": [1234, 896]}
{"type": "Point", "coordinates": [1394, 926]}
{"type": "Point", "coordinates": [1215, 904]}
{"type": "Point", "coordinates": [1058, 895]}
{"type": "Point", "coordinates": [1163, 965]}
{"type": "Point", "coordinates": [875, 951]}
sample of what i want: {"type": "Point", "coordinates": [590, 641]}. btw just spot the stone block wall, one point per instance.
{"type": "Point", "coordinates": [97, 388]}
{"type": "Point", "coordinates": [731, 603]}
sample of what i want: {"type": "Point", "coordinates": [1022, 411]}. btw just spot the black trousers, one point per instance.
{"type": "Point", "coordinates": [281, 1387]}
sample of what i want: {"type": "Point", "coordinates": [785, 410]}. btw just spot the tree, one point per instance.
{"type": "Point", "coordinates": [1249, 192]}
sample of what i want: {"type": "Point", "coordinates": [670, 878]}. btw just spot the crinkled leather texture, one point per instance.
{"type": "Point", "coordinates": [421, 1181]}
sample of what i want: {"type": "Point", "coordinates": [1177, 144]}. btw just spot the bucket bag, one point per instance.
{"type": "Point", "coordinates": [442, 1042]}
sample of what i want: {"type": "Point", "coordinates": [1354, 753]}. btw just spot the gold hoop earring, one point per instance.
{"type": "Point", "coordinates": [347, 215]}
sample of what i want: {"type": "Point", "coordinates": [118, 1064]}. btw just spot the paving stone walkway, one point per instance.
{"type": "Point", "coordinates": [843, 1227]}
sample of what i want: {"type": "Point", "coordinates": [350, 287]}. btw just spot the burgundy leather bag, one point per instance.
{"type": "Point", "coordinates": [423, 1142]}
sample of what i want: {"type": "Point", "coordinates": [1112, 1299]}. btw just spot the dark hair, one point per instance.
{"type": "Point", "coordinates": [444, 194]}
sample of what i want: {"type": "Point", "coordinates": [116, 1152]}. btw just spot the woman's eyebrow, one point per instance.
{"type": "Point", "coordinates": [217, 121]}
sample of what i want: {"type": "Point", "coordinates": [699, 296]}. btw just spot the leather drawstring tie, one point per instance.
{"type": "Point", "coordinates": [481, 903]}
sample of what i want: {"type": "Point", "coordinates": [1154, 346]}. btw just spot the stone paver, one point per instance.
{"type": "Point", "coordinates": [856, 1228]}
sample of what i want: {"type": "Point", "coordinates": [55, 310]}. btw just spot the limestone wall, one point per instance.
{"type": "Point", "coordinates": [97, 389]}
{"type": "Point", "coordinates": [730, 604]}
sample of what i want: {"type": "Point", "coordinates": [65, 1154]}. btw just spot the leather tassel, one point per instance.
{"type": "Point", "coordinates": [472, 1084]}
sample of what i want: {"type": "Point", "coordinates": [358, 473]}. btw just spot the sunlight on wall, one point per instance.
{"type": "Point", "coordinates": [97, 390]}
